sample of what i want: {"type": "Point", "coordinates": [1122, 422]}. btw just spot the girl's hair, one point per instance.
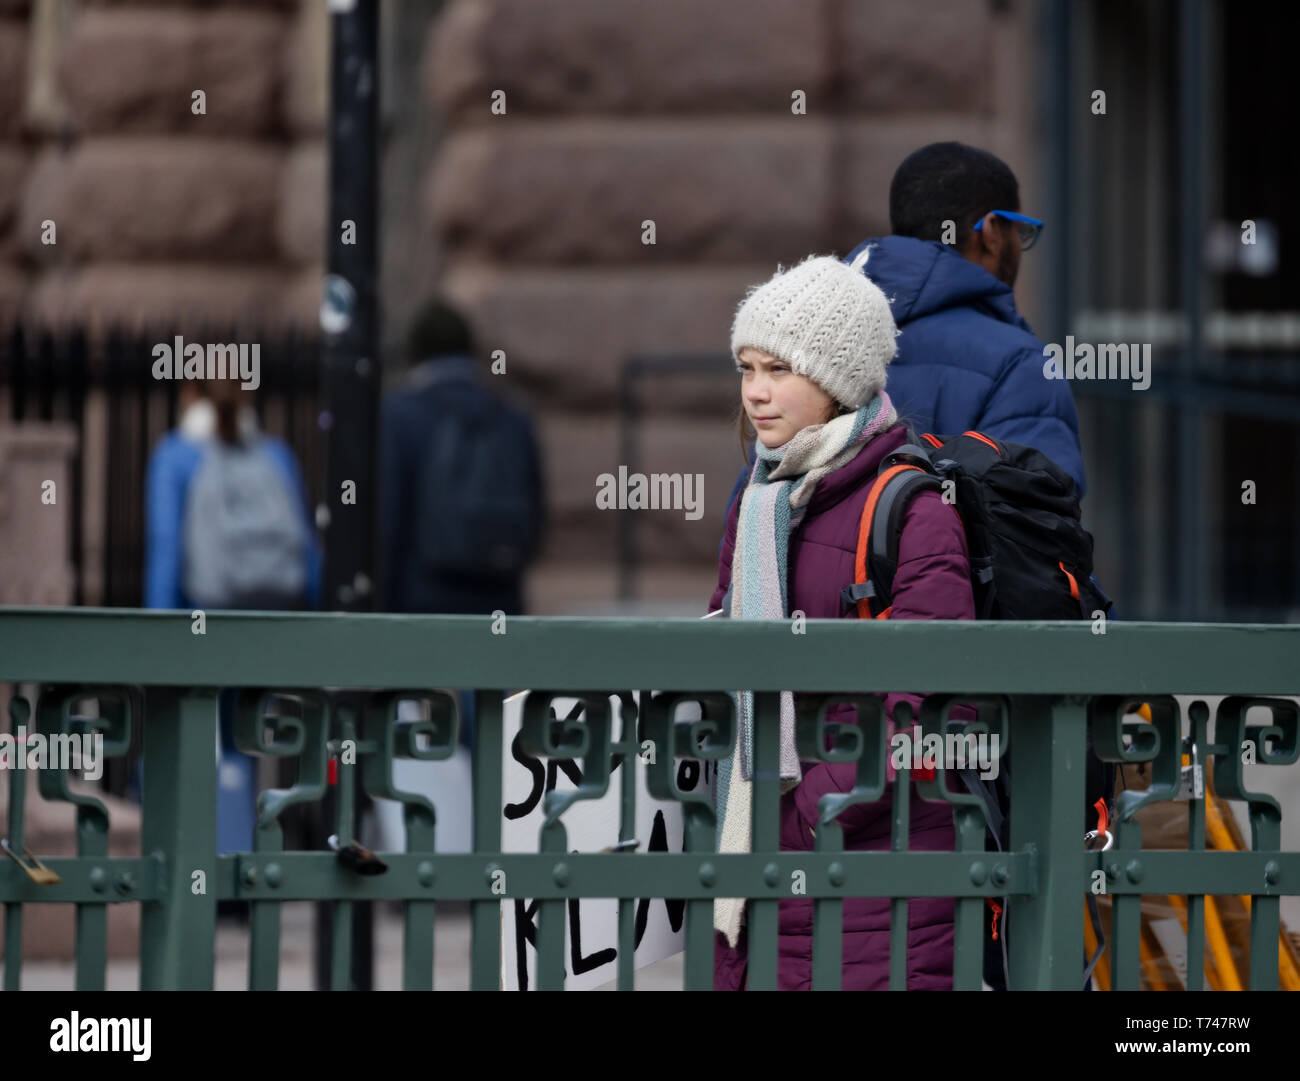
{"type": "Point", "coordinates": [746, 433]}
{"type": "Point", "coordinates": [224, 395]}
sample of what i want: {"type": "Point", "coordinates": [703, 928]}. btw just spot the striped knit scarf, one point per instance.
{"type": "Point", "coordinates": [773, 504]}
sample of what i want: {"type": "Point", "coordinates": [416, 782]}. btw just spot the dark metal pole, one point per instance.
{"type": "Point", "coordinates": [347, 513]}
{"type": "Point", "coordinates": [1192, 582]}
{"type": "Point", "coordinates": [348, 310]}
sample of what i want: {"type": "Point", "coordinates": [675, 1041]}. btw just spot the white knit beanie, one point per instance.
{"type": "Point", "coordinates": [827, 320]}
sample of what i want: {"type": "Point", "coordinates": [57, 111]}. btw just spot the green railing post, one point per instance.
{"type": "Point", "coordinates": [765, 830]}
{"type": "Point", "coordinates": [1278, 744]}
{"type": "Point", "coordinates": [20, 711]}
{"type": "Point", "coordinates": [179, 833]}
{"type": "Point", "coordinates": [1199, 714]}
{"type": "Point", "coordinates": [1045, 930]}
{"type": "Point", "coordinates": [628, 748]}
{"type": "Point", "coordinates": [343, 721]}
{"type": "Point", "coordinates": [899, 831]}
{"type": "Point", "coordinates": [485, 916]}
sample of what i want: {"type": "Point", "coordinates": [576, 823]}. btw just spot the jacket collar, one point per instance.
{"type": "Point", "coordinates": [851, 477]}
{"type": "Point", "coordinates": [922, 277]}
{"type": "Point", "coordinates": [441, 369]}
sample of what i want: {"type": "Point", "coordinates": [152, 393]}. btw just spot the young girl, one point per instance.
{"type": "Point", "coordinates": [811, 345]}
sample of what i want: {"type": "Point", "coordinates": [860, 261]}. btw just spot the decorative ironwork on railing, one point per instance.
{"type": "Point", "coordinates": [1041, 687]}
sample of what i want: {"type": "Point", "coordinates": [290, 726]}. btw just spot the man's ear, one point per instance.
{"type": "Point", "coordinates": [987, 239]}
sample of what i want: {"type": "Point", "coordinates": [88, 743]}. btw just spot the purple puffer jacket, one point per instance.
{"type": "Point", "coordinates": [932, 582]}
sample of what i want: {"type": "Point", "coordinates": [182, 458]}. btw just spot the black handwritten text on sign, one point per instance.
{"type": "Point", "coordinates": [690, 774]}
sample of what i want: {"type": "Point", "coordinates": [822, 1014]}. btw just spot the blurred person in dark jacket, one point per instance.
{"type": "Point", "coordinates": [461, 489]}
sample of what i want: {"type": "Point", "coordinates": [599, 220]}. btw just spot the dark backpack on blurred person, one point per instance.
{"type": "Point", "coordinates": [478, 510]}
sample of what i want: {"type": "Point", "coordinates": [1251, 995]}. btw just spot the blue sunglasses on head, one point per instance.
{"type": "Point", "coordinates": [1028, 228]}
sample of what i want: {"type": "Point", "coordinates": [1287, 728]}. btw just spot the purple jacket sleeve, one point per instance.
{"type": "Point", "coordinates": [727, 551]}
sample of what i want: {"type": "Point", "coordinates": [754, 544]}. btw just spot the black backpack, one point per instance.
{"type": "Point", "coordinates": [479, 510]}
{"type": "Point", "coordinates": [1030, 558]}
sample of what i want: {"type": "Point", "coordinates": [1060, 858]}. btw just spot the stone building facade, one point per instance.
{"type": "Point", "coordinates": [749, 132]}
{"type": "Point", "coordinates": [165, 206]}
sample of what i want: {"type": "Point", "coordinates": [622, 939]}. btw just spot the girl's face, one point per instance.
{"type": "Point", "coordinates": [779, 401]}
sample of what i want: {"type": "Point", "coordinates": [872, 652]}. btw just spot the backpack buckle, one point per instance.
{"type": "Point", "coordinates": [850, 595]}
{"type": "Point", "coordinates": [907, 454]}
{"type": "Point", "coordinates": [910, 452]}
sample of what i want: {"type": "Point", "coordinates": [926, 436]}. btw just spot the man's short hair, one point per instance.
{"type": "Point", "coordinates": [438, 330]}
{"type": "Point", "coordinates": [949, 181]}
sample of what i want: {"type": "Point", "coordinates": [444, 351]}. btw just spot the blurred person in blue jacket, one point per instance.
{"type": "Point", "coordinates": [243, 533]}
{"type": "Point", "coordinates": [227, 526]}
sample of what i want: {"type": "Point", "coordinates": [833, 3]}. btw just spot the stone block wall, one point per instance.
{"type": "Point", "coordinates": [160, 213]}
{"type": "Point", "coordinates": [36, 497]}
{"type": "Point", "coordinates": [684, 114]}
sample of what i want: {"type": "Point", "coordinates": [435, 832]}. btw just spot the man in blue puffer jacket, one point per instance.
{"type": "Point", "coordinates": [966, 358]}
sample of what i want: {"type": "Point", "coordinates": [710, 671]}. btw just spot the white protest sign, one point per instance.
{"type": "Point", "coordinates": [591, 926]}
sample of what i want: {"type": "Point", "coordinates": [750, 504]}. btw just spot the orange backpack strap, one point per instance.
{"type": "Point", "coordinates": [1074, 585]}
{"type": "Point", "coordinates": [864, 590]}
{"type": "Point", "coordinates": [986, 441]}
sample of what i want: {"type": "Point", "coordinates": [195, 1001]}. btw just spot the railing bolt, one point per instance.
{"type": "Point", "coordinates": [1272, 872]}
{"type": "Point", "coordinates": [1112, 871]}
{"type": "Point", "coordinates": [125, 882]}
{"type": "Point", "coordinates": [250, 875]}
{"type": "Point", "coordinates": [561, 874]}
{"type": "Point", "coordinates": [1134, 869]}
{"type": "Point", "coordinates": [708, 875]}
{"type": "Point", "coordinates": [1000, 874]}
{"type": "Point", "coordinates": [424, 873]}
{"type": "Point", "coordinates": [98, 879]}
{"type": "Point", "coordinates": [273, 875]}
{"type": "Point", "coordinates": [772, 875]}
{"type": "Point", "coordinates": [978, 872]}
{"type": "Point", "coordinates": [835, 872]}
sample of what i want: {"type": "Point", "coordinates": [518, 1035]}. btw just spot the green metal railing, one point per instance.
{"type": "Point", "coordinates": [1040, 685]}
